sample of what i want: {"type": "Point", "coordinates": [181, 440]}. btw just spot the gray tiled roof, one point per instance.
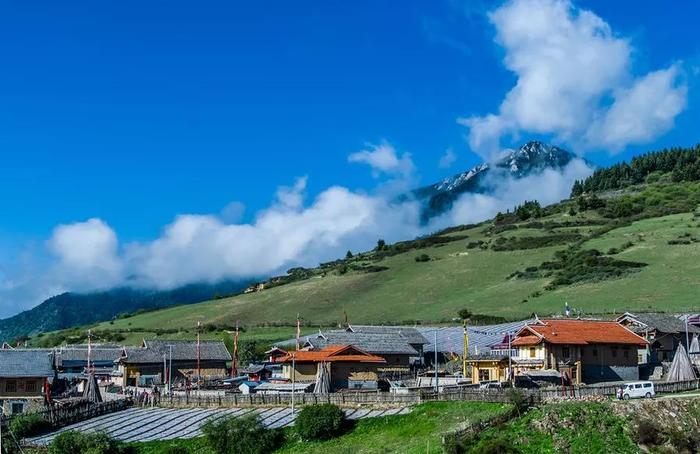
{"type": "Point", "coordinates": [25, 363]}
{"type": "Point", "coordinates": [378, 344]}
{"type": "Point", "coordinates": [379, 340]}
{"type": "Point", "coordinates": [182, 351]}
{"type": "Point", "coordinates": [412, 335]}
{"type": "Point", "coordinates": [664, 323]}
{"type": "Point", "coordinates": [80, 354]}
{"type": "Point", "coordinates": [481, 338]}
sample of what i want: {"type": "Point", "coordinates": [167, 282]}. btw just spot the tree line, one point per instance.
{"type": "Point", "coordinates": [683, 164]}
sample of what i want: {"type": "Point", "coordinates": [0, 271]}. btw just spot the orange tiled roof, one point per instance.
{"type": "Point", "coordinates": [332, 353]}
{"type": "Point", "coordinates": [576, 332]}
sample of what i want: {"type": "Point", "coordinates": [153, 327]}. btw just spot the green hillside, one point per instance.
{"type": "Point", "coordinates": [457, 276]}
{"type": "Point", "coordinates": [634, 247]}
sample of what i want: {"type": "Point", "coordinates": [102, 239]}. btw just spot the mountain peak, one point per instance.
{"type": "Point", "coordinates": [534, 156]}
{"type": "Point", "coordinates": [531, 158]}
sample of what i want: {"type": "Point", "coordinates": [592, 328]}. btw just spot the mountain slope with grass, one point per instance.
{"type": "Point", "coordinates": [74, 309]}
{"type": "Point", "coordinates": [635, 247]}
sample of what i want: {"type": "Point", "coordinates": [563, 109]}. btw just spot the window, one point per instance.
{"type": "Point", "coordinates": [17, 408]}
{"type": "Point", "coordinates": [30, 386]}
{"type": "Point", "coordinates": [647, 385]}
{"type": "Point", "coordinates": [638, 386]}
{"type": "Point", "coordinates": [484, 375]}
{"type": "Point", "coordinates": [11, 386]}
{"type": "Point", "coordinates": [594, 352]}
{"type": "Point", "coordinates": [533, 352]}
{"type": "Point", "coordinates": [565, 352]}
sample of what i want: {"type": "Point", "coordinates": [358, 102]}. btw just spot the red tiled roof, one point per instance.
{"type": "Point", "coordinates": [332, 353]}
{"type": "Point", "coordinates": [576, 332]}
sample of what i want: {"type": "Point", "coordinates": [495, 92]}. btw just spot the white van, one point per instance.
{"type": "Point", "coordinates": [638, 389]}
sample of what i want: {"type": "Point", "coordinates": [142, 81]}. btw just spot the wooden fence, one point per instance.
{"type": "Point", "coordinates": [534, 396]}
{"type": "Point", "coordinates": [59, 416]}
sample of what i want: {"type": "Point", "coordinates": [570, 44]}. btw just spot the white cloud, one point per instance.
{"type": "Point", "coordinates": [568, 64]}
{"type": "Point", "coordinates": [86, 255]}
{"type": "Point", "coordinates": [383, 159]}
{"type": "Point", "coordinates": [447, 159]}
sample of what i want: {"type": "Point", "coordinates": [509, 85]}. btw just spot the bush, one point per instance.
{"type": "Point", "coordinates": [244, 435]}
{"type": "Point", "coordinates": [29, 425]}
{"type": "Point", "coordinates": [72, 442]}
{"type": "Point", "coordinates": [320, 422]}
{"type": "Point", "coordinates": [648, 433]}
{"type": "Point", "coordinates": [423, 258]}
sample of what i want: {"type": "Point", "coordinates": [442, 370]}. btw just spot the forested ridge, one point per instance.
{"type": "Point", "coordinates": [676, 164]}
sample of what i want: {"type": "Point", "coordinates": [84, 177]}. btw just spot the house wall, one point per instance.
{"type": "Point", "coordinates": [21, 387]}
{"type": "Point", "coordinates": [495, 371]}
{"type": "Point", "coordinates": [524, 352]}
{"type": "Point", "coordinates": [19, 395]}
{"type": "Point", "coordinates": [350, 375]}
{"type": "Point", "coordinates": [302, 371]}
{"type": "Point", "coordinates": [587, 363]}
{"type": "Point", "coordinates": [397, 360]}
{"type": "Point", "coordinates": [130, 373]}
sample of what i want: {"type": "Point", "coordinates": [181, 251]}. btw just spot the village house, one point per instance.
{"type": "Point", "coordinates": [147, 365]}
{"type": "Point", "coordinates": [25, 377]}
{"type": "Point", "coordinates": [581, 350]}
{"type": "Point", "coordinates": [488, 367]}
{"type": "Point", "coordinates": [663, 331]}
{"type": "Point", "coordinates": [349, 366]}
{"type": "Point", "coordinates": [71, 361]}
{"type": "Point", "coordinates": [400, 347]}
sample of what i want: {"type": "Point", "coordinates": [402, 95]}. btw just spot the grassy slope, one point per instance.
{"type": "Point", "coordinates": [458, 277]}
{"type": "Point", "coordinates": [577, 428]}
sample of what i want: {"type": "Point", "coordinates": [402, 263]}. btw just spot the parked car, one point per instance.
{"type": "Point", "coordinates": [638, 389]}
{"type": "Point", "coordinates": [493, 384]}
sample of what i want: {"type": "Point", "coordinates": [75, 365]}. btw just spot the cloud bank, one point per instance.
{"type": "Point", "coordinates": [574, 82]}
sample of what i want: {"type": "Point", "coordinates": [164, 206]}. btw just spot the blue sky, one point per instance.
{"type": "Point", "coordinates": [136, 112]}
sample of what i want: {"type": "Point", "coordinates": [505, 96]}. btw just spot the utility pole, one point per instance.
{"type": "Point", "coordinates": [89, 350]}
{"type": "Point", "coordinates": [510, 358]}
{"type": "Point", "coordinates": [170, 370]}
{"type": "Point", "coordinates": [437, 389]}
{"type": "Point", "coordinates": [293, 380]}
{"type": "Point", "coordinates": [199, 370]}
{"type": "Point", "coordinates": [466, 350]}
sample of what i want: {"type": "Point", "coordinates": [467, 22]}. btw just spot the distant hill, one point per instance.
{"type": "Point", "coordinates": [529, 159]}
{"type": "Point", "coordinates": [75, 309]}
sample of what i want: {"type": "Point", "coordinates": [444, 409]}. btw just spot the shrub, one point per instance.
{"type": "Point", "coordinates": [320, 422]}
{"type": "Point", "coordinates": [648, 433]}
{"type": "Point", "coordinates": [423, 258]}
{"type": "Point", "coordinates": [244, 435]}
{"type": "Point", "coordinates": [29, 425]}
{"type": "Point", "coordinates": [72, 442]}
